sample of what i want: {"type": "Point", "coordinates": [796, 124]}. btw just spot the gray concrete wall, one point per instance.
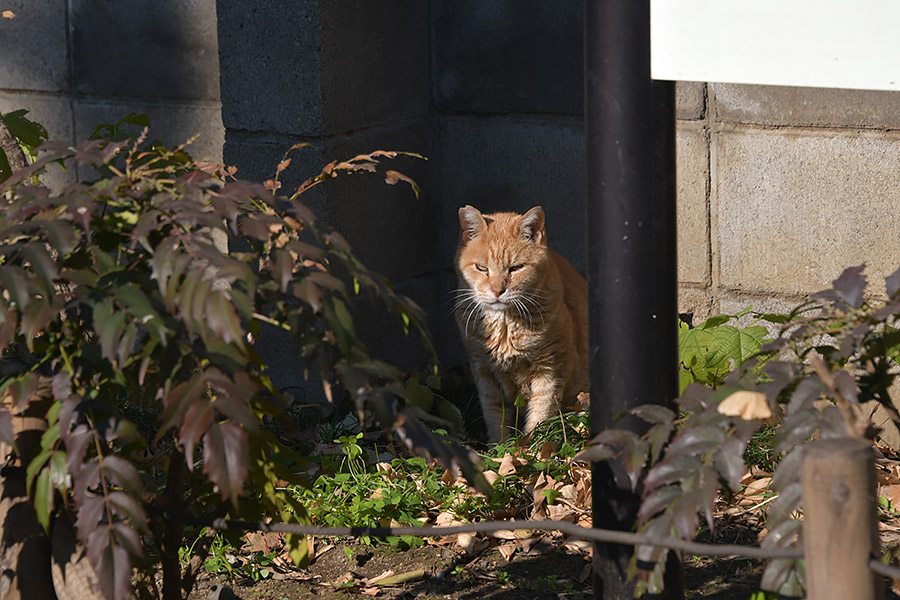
{"type": "Point", "coordinates": [75, 64]}
{"type": "Point", "coordinates": [799, 184]}
{"type": "Point", "coordinates": [778, 188]}
{"type": "Point", "coordinates": [347, 77]}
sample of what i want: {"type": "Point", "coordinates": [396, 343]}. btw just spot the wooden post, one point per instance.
{"type": "Point", "coordinates": [839, 520]}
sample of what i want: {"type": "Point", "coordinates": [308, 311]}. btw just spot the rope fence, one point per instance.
{"type": "Point", "coordinates": [570, 529]}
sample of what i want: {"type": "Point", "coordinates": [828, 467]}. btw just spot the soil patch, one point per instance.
{"type": "Point", "coordinates": [547, 571]}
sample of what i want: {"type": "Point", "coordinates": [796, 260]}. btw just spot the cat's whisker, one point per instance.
{"type": "Point", "coordinates": [471, 312]}
{"type": "Point", "coordinates": [460, 298]}
{"type": "Point", "coordinates": [460, 302]}
{"type": "Point", "coordinates": [537, 305]}
{"type": "Point", "coordinates": [539, 293]}
{"type": "Point", "coordinates": [517, 304]}
{"type": "Point", "coordinates": [523, 310]}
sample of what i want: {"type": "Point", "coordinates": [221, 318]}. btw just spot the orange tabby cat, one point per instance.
{"type": "Point", "coordinates": [522, 312]}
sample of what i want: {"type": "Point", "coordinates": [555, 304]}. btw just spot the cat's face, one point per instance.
{"type": "Point", "coordinates": [502, 258]}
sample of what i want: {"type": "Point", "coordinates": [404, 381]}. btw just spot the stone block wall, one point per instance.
{"type": "Point", "coordinates": [75, 64]}
{"type": "Point", "coordinates": [779, 188]}
{"type": "Point", "coordinates": [801, 182]}
{"type": "Point", "coordinates": [346, 77]}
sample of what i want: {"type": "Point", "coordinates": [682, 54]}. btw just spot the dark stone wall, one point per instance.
{"type": "Point", "coordinates": [490, 92]}
{"type": "Point", "coordinates": [77, 63]}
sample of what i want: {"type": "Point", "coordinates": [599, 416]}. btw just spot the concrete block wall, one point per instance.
{"type": "Point", "coordinates": [346, 77]}
{"type": "Point", "coordinates": [779, 188]}
{"type": "Point", "coordinates": [802, 183]}
{"type": "Point", "coordinates": [75, 64]}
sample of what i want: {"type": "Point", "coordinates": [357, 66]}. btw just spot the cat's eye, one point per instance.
{"type": "Point", "coordinates": [515, 268]}
{"type": "Point", "coordinates": [482, 268]}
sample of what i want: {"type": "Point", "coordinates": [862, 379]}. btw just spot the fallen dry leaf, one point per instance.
{"type": "Point", "coordinates": [747, 405]}
{"type": "Point", "coordinates": [342, 580]}
{"type": "Point", "coordinates": [548, 449]}
{"type": "Point", "coordinates": [471, 544]}
{"type": "Point", "coordinates": [264, 542]}
{"type": "Point", "coordinates": [448, 478]}
{"type": "Point", "coordinates": [578, 545]}
{"type": "Point", "coordinates": [446, 519]}
{"type": "Point", "coordinates": [508, 464]}
{"type": "Point", "coordinates": [507, 550]}
{"type": "Point", "coordinates": [7, 14]}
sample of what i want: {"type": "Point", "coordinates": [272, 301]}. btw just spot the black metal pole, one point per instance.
{"type": "Point", "coordinates": [632, 280]}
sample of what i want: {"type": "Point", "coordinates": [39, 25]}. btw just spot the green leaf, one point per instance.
{"type": "Point", "coordinates": [35, 466]}
{"type": "Point", "coordinates": [5, 169]}
{"type": "Point", "coordinates": [136, 302]}
{"type": "Point", "coordinates": [43, 499]}
{"type": "Point", "coordinates": [58, 472]}
{"type": "Point", "coordinates": [714, 321]}
{"type": "Point", "coordinates": [30, 134]}
{"type": "Point", "coordinates": [731, 343]}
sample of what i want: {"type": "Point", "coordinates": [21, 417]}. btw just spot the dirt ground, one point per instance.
{"type": "Point", "coordinates": [546, 571]}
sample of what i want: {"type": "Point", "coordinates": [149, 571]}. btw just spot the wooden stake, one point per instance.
{"type": "Point", "coordinates": [839, 520]}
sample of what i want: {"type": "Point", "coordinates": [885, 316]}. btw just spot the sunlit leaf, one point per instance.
{"type": "Point", "coordinates": [657, 501]}
{"type": "Point", "coordinates": [746, 404]}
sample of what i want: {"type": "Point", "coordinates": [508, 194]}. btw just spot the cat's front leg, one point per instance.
{"type": "Point", "coordinates": [544, 401]}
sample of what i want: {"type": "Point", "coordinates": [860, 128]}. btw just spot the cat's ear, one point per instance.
{"type": "Point", "coordinates": [531, 226]}
{"type": "Point", "coordinates": [471, 223]}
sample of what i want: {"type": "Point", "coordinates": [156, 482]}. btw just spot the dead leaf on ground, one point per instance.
{"type": "Point", "coordinates": [509, 463]}
{"type": "Point", "coordinates": [507, 550]}
{"type": "Point", "coordinates": [548, 450]}
{"type": "Point", "coordinates": [471, 544]}
{"type": "Point", "coordinates": [7, 14]}
{"type": "Point", "coordinates": [342, 580]}
{"type": "Point", "coordinates": [264, 542]}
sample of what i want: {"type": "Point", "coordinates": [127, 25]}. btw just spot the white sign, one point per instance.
{"type": "Point", "coordinates": [821, 43]}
